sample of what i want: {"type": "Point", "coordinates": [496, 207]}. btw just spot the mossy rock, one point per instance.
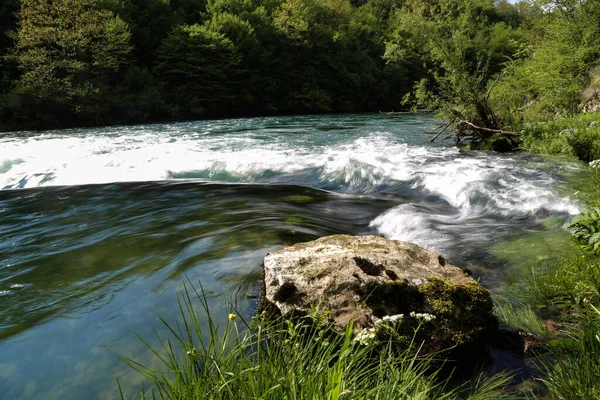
{"type": "Point", "coordinates": [373, 280]}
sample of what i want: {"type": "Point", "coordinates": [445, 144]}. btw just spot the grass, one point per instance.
{"type": "Point", "coordinates": [572, 366]}
{"type": "Point", "coordinates": [571, 282]}
{"type": "Point", "coordinates": [567, 290]}
{"type": "Point", "coordinates": [522, 317]}
{"type": "Point", "coordinates": [299, 358]}
{"type": "Point", "coordinates": [574, 280]}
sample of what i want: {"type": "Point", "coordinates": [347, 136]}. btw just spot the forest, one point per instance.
{"type": "Point", "coordinates": [497, 65]}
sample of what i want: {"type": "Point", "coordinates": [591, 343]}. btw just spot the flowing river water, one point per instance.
{"type": "Point", "coordinates": [100, 228]}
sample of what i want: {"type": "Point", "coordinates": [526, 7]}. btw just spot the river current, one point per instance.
{"type": "Point", "coordinates": [100, 228]}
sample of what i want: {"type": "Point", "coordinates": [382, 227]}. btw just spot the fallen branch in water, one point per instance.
{"type": "Point", "coordinates": [442, 131]}
{"type": "Point", "coordinates": [463, 126]}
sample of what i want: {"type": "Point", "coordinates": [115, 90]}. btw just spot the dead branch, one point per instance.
{"type": "Point", "coordinates": [464, 126]}
{"type": "Point", "coordinates": [442, 131]}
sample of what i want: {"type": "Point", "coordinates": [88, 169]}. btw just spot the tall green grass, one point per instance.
{"type": "Point", "coordinates": [568, 283]}
{"type": "Point", "coordinates": [572, 366]}
{"type": "Point", "coordinates": [521, 317]}
{"type": "Point", "coordinates": [297, 358]}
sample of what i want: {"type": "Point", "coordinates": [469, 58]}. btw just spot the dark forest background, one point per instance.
{"type": "Point", "coordinates": [98, 62]}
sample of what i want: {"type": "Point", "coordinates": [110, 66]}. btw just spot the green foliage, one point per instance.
{"type": "Point", "coordinates": [493, 63]}
{"type": "Point", "coordinates": [8, 20]}
{"type": "Point", "coordinates": [66, 51]}
{"type": "Point", "coordinates": [62, 44]}
{"type": "Point", "coordinates": [586, 229]}
{"type": "Point", "coordinates": [289, 359]}
{"type": "Point", "coordinates": [149, 20]}
{"type": "Point", "coordinates": [199, 66]}
{"type": "Point", "coordinates": [577, 136]}
{"type": "Point", "coordinates": [464, 45]}
{"type": "Point", "coordinates": [200, 59]}
{"type": "Point", "coordinates": [548, 79]}
{"type": "Point", "coordinates": [586, 226]}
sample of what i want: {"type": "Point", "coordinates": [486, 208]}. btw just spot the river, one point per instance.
{"type": "Point", "coordinates": [101, 228]}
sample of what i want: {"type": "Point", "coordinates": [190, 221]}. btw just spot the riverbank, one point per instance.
{"type": "Point", "coordinates": [304, 358]}
{"type": "Point", "coordinates": [577, 136]}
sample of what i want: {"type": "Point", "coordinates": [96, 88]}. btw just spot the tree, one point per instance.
{"type": "Point", "coordinates": [201, 67]}
{"type": "Point", "coordinates": [8, 21]}
{"type": "Point", "coordinates": [463, 49]}
{"type": "Point", "coordinates": [558, 63]}
{"type": "Point", "coordinates": [67, 50]}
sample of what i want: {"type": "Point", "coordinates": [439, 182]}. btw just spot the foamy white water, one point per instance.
{"type": "Point", "coordinates": [357, 159]}
{"type": "Point", "coordinates": [50, 160]}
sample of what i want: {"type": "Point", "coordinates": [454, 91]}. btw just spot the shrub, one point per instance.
{"type": "Point", "coordinates": [577, 136]}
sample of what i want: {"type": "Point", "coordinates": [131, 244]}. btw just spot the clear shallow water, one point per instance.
{"type": "Point", "coordinates": [100, 228]}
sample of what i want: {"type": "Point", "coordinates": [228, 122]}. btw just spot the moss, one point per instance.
{"type": "Point", "coordinates": [463, 312]}
{"type": "Point", "coordinates": [391, 298]}
{"type": "Point", "coordinates": [400, 334]}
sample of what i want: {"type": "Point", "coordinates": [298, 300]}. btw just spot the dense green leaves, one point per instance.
{"type": "Point", "coordinates": [67, 52]}
{"type": "Point", "coordinates": [555, 68]}
{"type": "Point", "coordinates": [63, 46]}
{"type": "Point", "coordinates": [464, 45]}
{"type": "Point", "coordinates": [200, 66]}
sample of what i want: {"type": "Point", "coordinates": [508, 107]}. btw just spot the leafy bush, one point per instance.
{"type": "Point", "coordinates": [586, 226]}
{"type": "Point", "coordinates": [577, 136]}
{"type": "Point", "coordinates": [586, 229]}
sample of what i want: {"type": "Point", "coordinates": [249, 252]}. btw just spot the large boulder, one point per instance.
{"type": "Point", "coordinates": [388, 287]}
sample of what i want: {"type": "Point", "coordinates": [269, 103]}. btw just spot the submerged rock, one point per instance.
{"type": "Point", "coordinates": [388, 287]}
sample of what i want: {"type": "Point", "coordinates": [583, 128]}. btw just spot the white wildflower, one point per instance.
{"type": "Point", "coordinates": [389, 319]}
{"type": "Point", "coordinates": [422, 316]}
{"type": "Point", "coordinates": [595, 164]}
{"type": "Point", "coordinates": [365, 337]}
